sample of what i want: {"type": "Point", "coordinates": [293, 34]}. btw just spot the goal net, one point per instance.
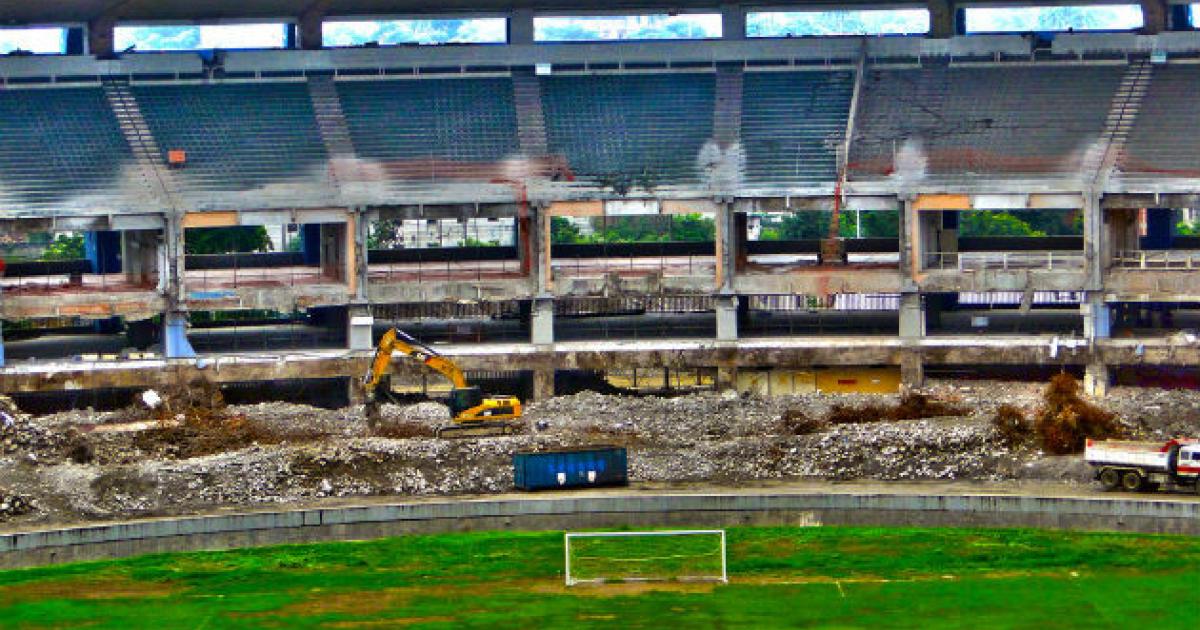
{"type": "Point", "coordinates": [682, 555]}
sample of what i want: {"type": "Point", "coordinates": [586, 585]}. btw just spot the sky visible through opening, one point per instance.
{"type": "Point", "coordinates": [52, 40]}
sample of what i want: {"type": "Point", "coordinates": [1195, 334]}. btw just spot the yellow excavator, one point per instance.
{"type": "Point", "coordinates": [472, 414]}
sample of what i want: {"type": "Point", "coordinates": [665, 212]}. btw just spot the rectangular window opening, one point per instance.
{"type": "Point", "coordinates": [1108, 17]}
{"type": "Point", "coordinates": [596, 28]}
{"type": "Point", "coordinates": [41, 41]}
{"type": "Point", "coordinates": [423, 32]}
{"type": "Point", "coordinates": [200, 37]}
{"type": "Point", "coordinates": [837, 23]}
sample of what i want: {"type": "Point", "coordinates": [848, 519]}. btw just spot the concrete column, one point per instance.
{"type": "Point", "coordinates": [733, 21]}
{"type": "Point", "coordinates": [726, 247]}
{"type": "Point", "coordinates": [727, 317]}
{"type": "Point", "coordinates": [943, 19]}
{"type": "Point", "coordinates": [912, 370]}
{"type": "Point", "coordinates": [543, 384]}
{"type": "Point", "coordinates": [520, 27]}
{"type": "Point", "coordinates": [540, 237]}
{"type": "Point", "coordinates": [912, 329]}
{"type": "Point", "coordinates": [726, 377]}
{"type": "Point", "coordinates": [1154, 16]}
{"type": "Point", "coordinates": [175, 341]}
{"type": "Point", "coordinates": [1094, 249]}
{"type": "Point", "coordinates": [1095, 380]}
{"type": "Point", "coordinates": [359, 232]}
{"type": "Point", "coordinates": [907, 220]}
{"type": "Point", "coordinates": [359, 326]}
{"type": "Point", "coordinates": [541, 321]}
{"type": "Point", "coordinates": [1, 348]}
{"type": "Point", "coordinates": [139, 256]}
{"type": "Point", "coordinates": [912, 316]}
{"type": "Point", "coordinates": [101, 37]}
{"type": "Point", "coordinates": [1097, 324]}
{"type": "Point", "coordinates": [309, 27]}
{"type": "Point", "coordinates": [1097, 317]}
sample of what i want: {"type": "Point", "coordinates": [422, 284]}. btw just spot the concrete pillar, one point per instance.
{"type": "Point", "coordinates": [907, 220]}
{"type": "Point", "coordinates": [912, 370]}
{"type": "Point", "coordinates": [727, 317]}
{"type": "Point", "coordinates": [733, 21]}
{"type": "Point", "coordinates": [943, 19]}
{"type": "Point", "coordinates": [543, 384]}
{"type": "Point", "coordinates": [726, 247]}
{"type": "Point", "coordinates": [912, 316]}
{"type": "Point", "coordinates": [726, 377]}
{"type": "Point", "coordinates": [912, 329]}
{"type": "Point", "coordinates": [543, 278]}
{"type": "Point", "coordinates": [1097, 317]}
{"type": "Point", "coordinates": [1, 347]}
{"type": "Point", "coordinates": [520, 27]}
{"type": "Point", "coordinates": [309, 27]}
{"type": "Point", "coordinates": [139, 256]}
{"type": "Point", "coordinates": [359, 327]}
{"type": "Point", "coordinates": [1154, 16]}
{"type": "Point", "coordinates": [541, 321]}
{"type": "Point", "coordinates": [1095, 379]}
{"type": "Point", "coordinates": [360, 271]}
{"type": "Point", "coordinates": [175, 341]}
{"type": "Point", "coordinates": [101, 37]}
{"type": "Point", "coordinates": [1096, 253]}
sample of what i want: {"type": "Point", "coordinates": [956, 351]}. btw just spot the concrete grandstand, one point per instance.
{"type": "Point", "coordinates": [334, 141]}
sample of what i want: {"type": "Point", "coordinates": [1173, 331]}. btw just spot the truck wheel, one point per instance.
{"type": "Point", "coordinates": [1131, 481]}
{"type": "Point", "coordinates": [1110, 478]}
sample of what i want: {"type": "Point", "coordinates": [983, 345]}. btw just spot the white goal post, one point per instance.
{"type": "Point", "coordinates": [573, 578]}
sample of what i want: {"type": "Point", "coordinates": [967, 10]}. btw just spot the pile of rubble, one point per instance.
{"type": "Point", "coordinates": [291, 453]}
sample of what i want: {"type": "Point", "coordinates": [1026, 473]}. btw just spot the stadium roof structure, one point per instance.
{"type": "Point", "coordinates": [57, 11]}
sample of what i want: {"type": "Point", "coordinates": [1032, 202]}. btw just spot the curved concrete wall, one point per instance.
{"type": "Point", "coordinates": [541, 512]}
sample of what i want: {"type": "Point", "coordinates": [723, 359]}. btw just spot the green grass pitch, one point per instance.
{"type": "Point", "coordinates": [779, 578]}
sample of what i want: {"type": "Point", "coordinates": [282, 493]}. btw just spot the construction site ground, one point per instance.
{"type": "Point", "coordinates": [84, 466]}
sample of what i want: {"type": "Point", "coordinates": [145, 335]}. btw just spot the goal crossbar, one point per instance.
{"type": "Point", "coordinates": [571, 580]}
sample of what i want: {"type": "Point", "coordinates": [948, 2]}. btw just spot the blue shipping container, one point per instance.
{"type": "Point", "coordinates": [583, 468]}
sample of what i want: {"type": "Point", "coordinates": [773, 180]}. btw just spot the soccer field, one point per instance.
{"type": "Point", "coordinates": [779, 577]}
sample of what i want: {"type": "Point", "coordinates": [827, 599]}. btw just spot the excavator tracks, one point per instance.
{"type": "Point", "coordinates": [477, 430]}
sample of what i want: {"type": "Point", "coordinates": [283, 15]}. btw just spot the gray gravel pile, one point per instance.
{"type": "Point", "coordinates": [21, 434]}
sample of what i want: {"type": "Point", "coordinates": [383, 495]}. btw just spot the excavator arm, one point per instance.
{"type": "Point", "coordinates": [396, 341]}
{"type": "Point", "coordinates": [472, 413]}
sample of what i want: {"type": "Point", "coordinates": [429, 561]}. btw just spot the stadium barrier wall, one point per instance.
{"type": "Point", "coordinates": [642, 510]}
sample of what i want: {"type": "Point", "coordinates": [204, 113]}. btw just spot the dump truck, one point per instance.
{"type": "Point", "coordinates": [1138, 466]}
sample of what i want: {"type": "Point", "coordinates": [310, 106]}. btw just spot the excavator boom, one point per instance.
{"type": "Point", "coordinates": [472, 413]}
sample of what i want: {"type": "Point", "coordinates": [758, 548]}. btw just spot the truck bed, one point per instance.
{"type": "Point", "coordinates": [1147, 455]}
